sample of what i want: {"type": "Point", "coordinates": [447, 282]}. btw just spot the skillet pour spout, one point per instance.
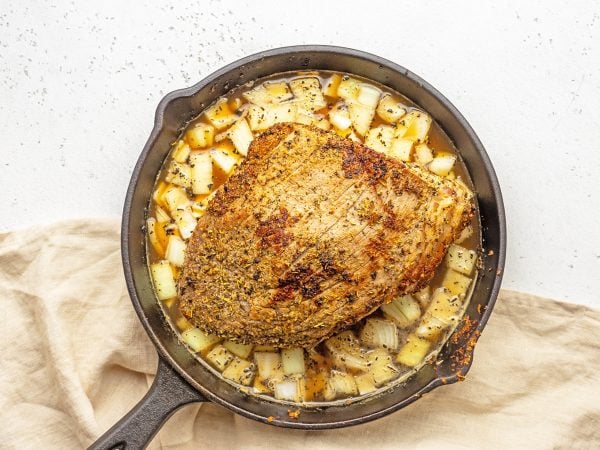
{"type": "Point", "coordinates": [180, 378]}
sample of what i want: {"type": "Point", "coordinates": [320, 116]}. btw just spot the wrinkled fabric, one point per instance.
{"type": "Point", "coordinates": [75, 359]}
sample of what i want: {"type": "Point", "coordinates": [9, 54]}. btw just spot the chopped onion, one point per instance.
{"type": "Point", "coordinates": [423, 296]}
{"type": "Point", "coordinates": [284, 112]}
{"type": "Point", "coordinates": [417, 125]}
{"type": "Point", "coordinates": [175, 198]}
{"type": "Point", "coordinates": [348, 89]}
{"type": "Point", "coordinates": [308, 94]}
{"type": "Point", "coordinates": [401, 129]}
{"type": "Point", "coordinates": [219, 115]}
{"type": "Point", "coordinates": [381, 367]}
{"type": "Point", "coordinates": [353, 137]}
{"type": "Point", "coordinates": [222, 136]}
{"type": "Point", "coordinates": [241, 350]}
{"type": "Point", "coordinates": [161, 215]}
{"type": "Point", "coordinates": [368, 95]}
{"type": "Point", "coordinates": [164, 282]}
{"type": "Point", "coordinates": [342, 384]}
{"type": "Point", "coordinates": [331, 87]}
{"type": "Point", "coordinates": [401, 148]}
{"type": "Point", "coordinates": [456, 282]}
{"type": "Point", "coordinates": [291, 389]}
{"type": "Point", "coordinates": [405, 311]}
{"type": "Point", "coordinates": [240, 371]}
{"type": "Point", "coordinates": [293, 361]}
{"type": "Point", "coordinates": [162, 230]}
{"type": "Point", "coordinates": [153, 238]}
{"type": "Point", "coordinates": [430, 327]}
{"type": "Point", "coordinates": [339, 117]}
{"type": "Point", "coordinates": [269, 92]}
{"type": "Point", "coordinates": [224, 158]}
{"type": "Point", "coordinates": [423, 154]}
{"type": "Point", "coordinates": [260, 387]}
{"type": "Point", "coordinates": [175, 253]}
{"type": "Point", "coordinates": [219, 357]}
{"type": "Point", "coordinates": [355, 361]}
{"type": "Point", "coordinates": [321, 122]}
{"type": "Point", "coordinates": [380, 138]}
{"type": "Point", "coordinates": [263, 117]}
{"type": "Point", "coordinates": [179, 174]}
{"type": "Point", "coordinates": [345, 350]}
{"type": "Point", "coordinates": [442, 165]}
{"type": "Point", "coordinates": [200, 136]}
{"type": "Point", "coordinates": [198, 340]}
{"type": "Point", "coordinates": [414, 351]}
{"type": "Point", "coordinates": [444, 306]}
{"type": "Point", "coordinates": [365, 383]}
{"type": "Point", "coordinates": [235, 103]}
{"type": "Point", "coordinates": [460, 259]}
{"type": "Point", "coordinates": [241, 136]}
{"type": "Point", "coordinates": [202, 172]}
{"type": "Point", "coordinates": [379, 333]}
{"type": "Point", "coordinates": [269, 364]}
{"type": "Point", "coordinates": [186, 222]}
{"type": "Point", "coordinates": [181, 151]}
{"type": "Point", "coordinates": [305, 119]}
{"type": "Point", "coordinates": [361, 117]}
{"type": "Point", "coordinates": [198, 208]}
{"type": "Point", "coordinates": [389, 109]}
{"type": "Point", "coordinates": [257, 118]}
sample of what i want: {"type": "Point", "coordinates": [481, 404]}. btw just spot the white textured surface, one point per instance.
{"type": "Point", "coordinates": [79, 83]}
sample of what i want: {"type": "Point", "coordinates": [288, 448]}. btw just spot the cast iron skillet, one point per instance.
{"type": "Point", "coordinates": [180, 378]}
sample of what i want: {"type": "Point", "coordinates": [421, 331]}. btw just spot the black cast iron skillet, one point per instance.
{"type": "Point", "coordinates": [180, 378]}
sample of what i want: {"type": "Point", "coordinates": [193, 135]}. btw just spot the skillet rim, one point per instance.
{"type": "Point", "coordinates": [298, 51]}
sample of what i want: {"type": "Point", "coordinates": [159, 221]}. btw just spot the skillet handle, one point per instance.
{"type": "Point", "coordinates": [168, 393]}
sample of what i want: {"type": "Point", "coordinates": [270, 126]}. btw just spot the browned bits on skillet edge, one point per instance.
{"type": "Point", "coordinates": [293, 414]}
{"type": "Point", "coordinates": [464, 339]}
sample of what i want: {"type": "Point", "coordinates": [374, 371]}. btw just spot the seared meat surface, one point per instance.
{"type": "Point", "coordinates": [312, 233]}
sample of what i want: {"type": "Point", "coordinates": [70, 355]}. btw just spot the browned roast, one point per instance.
{"type": "Point", "coordinates": [312, 233]}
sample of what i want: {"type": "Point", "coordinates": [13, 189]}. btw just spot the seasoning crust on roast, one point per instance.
{"type": "Point", "coordinates": [312, 233]}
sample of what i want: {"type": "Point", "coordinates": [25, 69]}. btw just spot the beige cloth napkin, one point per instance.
{"type": "Point", "coordinates": [74, 359]}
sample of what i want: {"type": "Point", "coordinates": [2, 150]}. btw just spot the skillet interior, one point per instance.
{"type": "Point", "coordinates": [180, 106]}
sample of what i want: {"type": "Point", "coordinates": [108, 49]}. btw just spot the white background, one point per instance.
{"type": "Point", "coordinates": [79, 83]}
